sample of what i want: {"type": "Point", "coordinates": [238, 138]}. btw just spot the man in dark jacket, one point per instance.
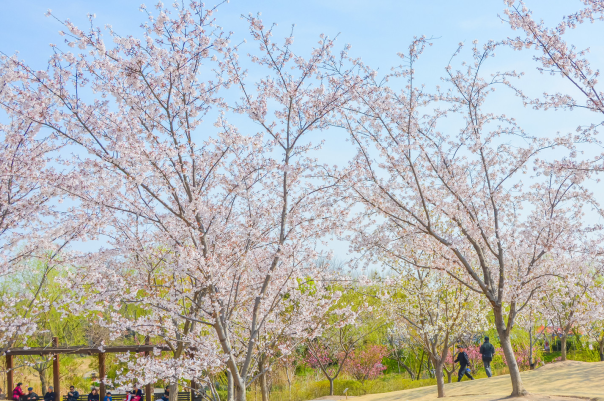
{"type": "Point", "coordinates": [31, 396]}
{"type": "Point", "coordinates": [487, 351]}
{"type": "Point", "coordinates": [73, 394]}
{"type": "Point", "coordinates": [464, 361]}
{"type": "Point", "coordinates": [50, 394]}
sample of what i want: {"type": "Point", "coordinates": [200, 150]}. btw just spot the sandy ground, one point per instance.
{"type": "Point", "coordinates": [562, 381]}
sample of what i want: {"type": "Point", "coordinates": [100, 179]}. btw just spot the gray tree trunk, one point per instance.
{"type": "Point", "coordinates": [43, 380]}
{"type": "Point", "coordinates": [408, 369]}
{"type": "Point", "coordinates": [440, 379]}
{"type": "Point", "coordinates": [563, 347]}
{"type": "Point", "coordinates": [264, 387]}
{"type": "Point", "coordinates": [518, 389]}
{"type": "Point", "coordinates": [239, 392]}
{"type": "Point", "coordinates": [230, 386]}
{"type": "Point", "coordinates": [173, 391]}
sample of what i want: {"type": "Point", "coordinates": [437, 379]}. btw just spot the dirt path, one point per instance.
{"type": "Point", "coordinates": [562, 381]}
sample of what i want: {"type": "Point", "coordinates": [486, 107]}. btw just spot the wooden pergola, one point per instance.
{"type": "Point", "coordinates": [57, 350]}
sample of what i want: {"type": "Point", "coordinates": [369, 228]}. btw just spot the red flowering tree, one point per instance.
{"type": "Point", "coordinates": [367, 364]}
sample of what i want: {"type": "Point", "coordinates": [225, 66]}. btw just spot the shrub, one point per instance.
{"type": "Point", "coordinates": [366, 364]}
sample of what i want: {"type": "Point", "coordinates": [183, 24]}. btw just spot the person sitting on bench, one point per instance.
{"type": "Point", "coordinates": [94, 395]}
{"type": "Point", "coordinates": [50, 394]}
{"type": "Point", "coordinates": [31, 396]}
{"type": "Point", "coordinates": [166, 395]}
{"type": "Point", "coordinates": [135, 395]}
{"type": "Point", "coordinates": [73, 394]}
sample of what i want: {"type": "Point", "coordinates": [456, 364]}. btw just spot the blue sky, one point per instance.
{"type": "Point", "coordinates": [376, 29]}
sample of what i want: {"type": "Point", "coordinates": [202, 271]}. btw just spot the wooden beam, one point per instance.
{"type": "Point", "coordinates": [102, 376]}
{"type": "Point", "coordinates": [84, 350]}
{"type": "Point", "coordinates": [9, 376]}
{"type": "Point", "coordinates": [56, 376]}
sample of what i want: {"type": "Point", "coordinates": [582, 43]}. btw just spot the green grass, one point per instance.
{"type": "Point", "coordinates": [573, 355]}
{"type": "Point", "coordinates": [309, 390]}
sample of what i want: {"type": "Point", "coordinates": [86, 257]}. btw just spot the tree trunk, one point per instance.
{"type": "Point", "coordinates": [531, 364]}
{"type": "Point", "coordinates": [289, 381]}
{"type": "Point", "coordinates": [230, 386]}
{"type": "Point", "coordinates": [601, 343]}
{"type": "Point", "coordinates": [264, 388]}
{"type": "Point", "coordinates": [239, 393]}
{"type": "Point", "coordinates": [43, 380]}
{"type": "Point", "coordinates": [430, 370]}
{"type": "Point", "coordinates": [331, 380]}
{"type": "Point", "coordinates": [173, 391]}
{"type": "Point", "coordinates": [421, 363]}
{"type": "Point", "coordinates": [440, 380]}
{"type": "Point", "coordinates": [263, 380]}
{"type": "Point", "coordinates": [408, 369]}
{"type": "Point", "coordinates": [563, 347]}
{"type": "Point", "coordinates": [518, 389]}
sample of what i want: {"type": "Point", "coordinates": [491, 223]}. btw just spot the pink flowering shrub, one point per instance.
{"type": "Point", "coordinates": [522, 353]}
{"type": "Point", "coordinates": [366, 364]}
{"type": "Point", "coordinates": [323, 357]}
{"type": "Point", "coordinates": [474, 355]}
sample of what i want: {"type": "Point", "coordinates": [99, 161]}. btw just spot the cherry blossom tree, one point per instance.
{"type": "Point", "coordinates": [215, 237]}
{"type": "Point", "coordinates": [465, 191]}
{"type": "Point", "coordinates": [397, 341]}
{"type": "Point", "coordinates": [346, 328]}
{"type": "Point", "coordinates": [557, 56]}
{"type": "Point", "coordinates": [32, 228]}
{"type": "Point", "coordinates": [434, 309]}
{"type": "Point", "coordinates": [574, 300]}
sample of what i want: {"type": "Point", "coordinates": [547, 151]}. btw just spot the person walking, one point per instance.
{"type": "Point", "coordinates": [464, 362]}
{"type": "Point", "coordinates": [50, 394]}
{"type": "Point", "coordinates": [487, 351]}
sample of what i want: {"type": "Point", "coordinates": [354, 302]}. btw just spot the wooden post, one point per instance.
{"type": "Point", "coordinates": [102, 375]}
{"type": "Point", "coordinates": [9, 376]}
{"type": "Point", "coordinates": [149, 389]}
{"type": "Point", "coordinates": [193, 388]}
{"type": "Point", "coordinates": [56, 382]}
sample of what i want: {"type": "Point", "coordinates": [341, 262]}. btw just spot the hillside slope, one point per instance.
{"type": "Point", "coordinates": [562, 381]}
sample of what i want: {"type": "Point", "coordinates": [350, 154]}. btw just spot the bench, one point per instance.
{"type": "Point", "coordinates": [182, 396]}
